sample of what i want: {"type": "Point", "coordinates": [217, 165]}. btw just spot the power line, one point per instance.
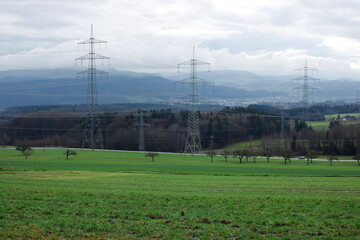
{"type": "Point", "coordinates": [115, 128]}
{"type": "Point", "coordinates": [39, 53]}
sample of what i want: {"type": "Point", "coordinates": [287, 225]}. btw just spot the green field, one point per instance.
{"type": "Point", "coordinates": [324, 125]}
{"type": "Point", "coordinates": [319, 125]}
{"type": "Point", "coordinates": [122, 195]}
{"type": "Point", "coordinates": [332, 116]}
{"type": "Point", "coordinates": [244, 144]}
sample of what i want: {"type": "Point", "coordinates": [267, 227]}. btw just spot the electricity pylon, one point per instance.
{"type": "Point", "coordinates": [282, 122]}
{"type": "Point", "coordinates": [92, 132]}
{"type": "Point", "coordinates": [141, 126]}
{"type": "Point", "coordinates": [358, 102]}
{"type": "Point", "coordinates": [211, 141]}
{"type": "Point", "coordinates": [305, 85]}
{"type": "Point", "coordinates": [282, 130]}
{"type": "Point", "coordinates": [193, 140]}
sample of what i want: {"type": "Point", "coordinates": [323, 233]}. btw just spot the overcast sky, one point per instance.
{"type": "Point", "coordinates": [261, 36]}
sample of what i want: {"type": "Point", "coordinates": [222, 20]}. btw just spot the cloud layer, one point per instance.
{"type": "Point", "coordinates": [262, 36]}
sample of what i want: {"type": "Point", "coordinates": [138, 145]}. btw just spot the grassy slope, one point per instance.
{"type": "Point", "coordinates": [244, 144]}
{"type": "Point", "coordinates": [331, 116]}
{"type": "Point", "coordinates": [324, 125]}
{"type": "Point", "coordinates": [124, 195]}
{"type": "Point", "coordinates": [319, 125]}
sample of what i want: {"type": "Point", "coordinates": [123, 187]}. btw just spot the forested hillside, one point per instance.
{"type": "Point", "coordinates": [166, 132]}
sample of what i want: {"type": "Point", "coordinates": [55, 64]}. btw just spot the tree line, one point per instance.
{"type": "Point", "coordinates": [166, 132]}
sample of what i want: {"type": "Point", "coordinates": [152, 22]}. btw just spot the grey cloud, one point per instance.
{"type": "Point", "coordinates": [13, 43]}
{"type": "Point", "coordinates": [329, 4]}
{"type": "Point", "coordinates": [156, 33]}
{"type": "Point", "coordinates": [42, 14]}
{"type": "Point", "coordinates": [254, 41]}
{"type": "Point", "coordinates": [331, 17]}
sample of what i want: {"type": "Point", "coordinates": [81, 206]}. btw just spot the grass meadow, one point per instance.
{"type": "Point", "coordinates": [334, 116]}
{"type": "Point", "coordinates": [123, 195]}
{"type": "Point", "coordinates": [324, 125]}
{"type": "Point", "coordinates": [244, 144]}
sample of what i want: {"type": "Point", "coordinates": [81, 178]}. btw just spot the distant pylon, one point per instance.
{"type": "Point", "coordinates": [193, 140]}
{"type": "Point", "coordinates": [358, 102]}
{"type": "Point", "coordinates": [305, 86]}
{"type": "Point", "coordinates": [211, 141]}
{"type": "Point", "coordinates": [282, 131]}
{"type": "Point", "coordinates": [141, 126]}
{"type": "Point", "coordinates": [92, 131]}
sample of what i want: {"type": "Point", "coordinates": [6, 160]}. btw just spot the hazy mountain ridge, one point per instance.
{"type": "Point", "coordinates": [62, 86]}
{"type": "Point", "coordinates": [19, 88]}
{"type": "Point", "coordinates": [249, 81]}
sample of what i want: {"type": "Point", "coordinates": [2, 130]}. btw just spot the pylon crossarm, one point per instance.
{"type": "Point", "coordinates": [91, 56]}
{"type": "Point", "coordinates": [198, 62]}
{"type": "Point", "coordinates": [96, 71]}
{"type": "Point", "coordinates": [298, 89]}
{"type": "Point", "coordinates": [298, 79]}
{"type": "Point", "coordinates": [185, 80]}
{"type": "Point", "coordinates": [185, 63]}
{"type": "Point", "coordinates": [312, 79]}
{"type": "Point", "coordinates": [202, 81]}
{"type": "Point", "coordinates": [92, 40]}
{"type": "Point", "coordinates": [194, 62]}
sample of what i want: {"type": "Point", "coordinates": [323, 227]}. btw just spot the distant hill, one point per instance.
{"type": "Point", "coordinates": [61, 86]}
{"type": "Point", "coordinates": [28, 87]}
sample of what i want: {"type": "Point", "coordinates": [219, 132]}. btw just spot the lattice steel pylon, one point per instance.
{"type": "Point", "coordinates": [142, 125]}
{"type": "Point", "coordinates": [358, 102]}
{"type": "Point", "coordinates": [193, 140]}
{"type": "Point", "coordinates": [92, 131]}
{"type": "Point", "coordinates": [305, 86]}
{"type": "Point", "coordinates": [282, 129]}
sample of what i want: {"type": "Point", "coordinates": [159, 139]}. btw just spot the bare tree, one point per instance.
{"type": "Point", "coordinates": [268, 154]}
{"type": "Point", "coordinates": [28, 152]}
{"type": "Point", "coordinates": [310, 156]}
{"type": "Point", "coordinates": [152, 155]}
{"type": "Point", "coordinates": [211, 153]}
{"type": "Point", "coordinates": [331, 158]}
{"type": "Point", "coordinates": [287, 155]}
{"type": "Point", "coordinates": [70, 152]}
{"type": "Point", "coordinates": [247, 153]}
{"type": "Point", "coordinates": [357, 157]}
{"type": "Point", "coordinates": [254, 155]}
{"type": "Point", "coordinates": [239, 153]}
{"type": "Point", "coordinates": [226, 153]}
{"type": "Point", "coordinates": [22, 148]}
